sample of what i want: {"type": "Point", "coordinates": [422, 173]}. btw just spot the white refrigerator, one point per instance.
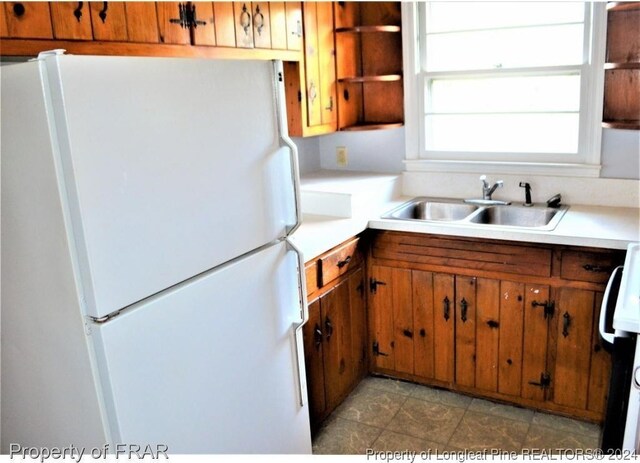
{"type": "Point", "coordinates": [150, 294]}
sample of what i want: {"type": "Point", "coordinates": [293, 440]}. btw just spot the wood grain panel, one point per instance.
{"type": "Point", "coordinates": [109, 21]}
{"type": "Point", "coordinates": [623, 38]}
{"type": "Point", "coordinates": [312, 63]}
{"type": "Point", "coordinates": [488, 332]}
{"type": "Point", "coordinates": [621, 96]}
{"type": "Point", "coordinates": [358, 363]}
{"type": "Point", "coordinates": [347, 14]}
{"type": "Point", "coordinates": [465, 346]}
{"type": "Point", "coordinates": [380, 13]}
{"type": "Point", "coordinates": [600, 372]}
{"type": "Point", "coordinates": [4, 31]}
{"type": "Point", "coordinates": [349, 104]}
{"type": "Point", "coordinates": [326, 62]}
{"type": "Point", "coordinates": [142, 22]}
{"type": "Point", "coordinates": [573, 356]}
{"type": "Point", "coordinates": [443, 326]}
{"type": "Point", "coordinates": [423, 323]}
{"type": "Point", "coordinates": [278, 25]}
{"type": "Point", "coordinates": [536, 334]}
{"type": "Point", "coordinates": [313, 360]}
{"type": "Point", "coordinates": [71, 20]}
{"type": "Point", "coordinates": [28, 20]}
{"type": "Point", "coordinates": [511, 335]}
{"type": "Point", "coordinates": [224, 24]}
{"type": "Point", "coordinates": [380, 53]}
{"type": "Point", "coordinates": [381, 310]}
{"type": "Point", "coordinates": [204, 34]}
{"type": "Point", "coordinates": [311, 276]}
{"type": "Point", "coordinates": [383, 101]}
{"type": "Point", "coordinates": [402, 320]}
{"type": "Point", "coordinates": [293, 11]}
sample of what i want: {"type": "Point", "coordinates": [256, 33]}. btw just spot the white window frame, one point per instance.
{"type": "Point", "coordinates": [587, 161]}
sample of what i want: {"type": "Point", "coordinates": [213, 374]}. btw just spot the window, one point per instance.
{"type": "Point", "coordinates": [510, 83]}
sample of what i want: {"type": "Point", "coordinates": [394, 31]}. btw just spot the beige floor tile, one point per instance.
{"type": "Point", "coordinates": [389, 385]}
{"type": "Point", "coordinates": [479, 431]}
{"type": "Point", "coordinates": [540, 437]}
{"type": "Point", "coordinates": [343, 437]}
{"type": "Point", "coordinates": [566, 424]}
{"type": "Point", "coordinates": [390, 441]}
{"type": "Point", "coordinates": [441, 396]}
{"type": "Point", "coordinates": [501, 410]}
{"type": "Point", "coordinates": [370, 406]}
{"type": "Point", "coordinates": [426, 420]}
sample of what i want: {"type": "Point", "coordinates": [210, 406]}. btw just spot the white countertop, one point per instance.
{"type": "Point", "coordinates": [591, 226]}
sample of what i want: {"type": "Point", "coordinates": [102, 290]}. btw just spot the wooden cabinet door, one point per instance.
{"type": "Point", "coordinates": [312, 64]}
{"type": "Point", "coordinates": [244, 24]}
{"type": "Point", "coordinates": [381, 316]}
{"type": "Point", "coordinates": [443, 327]}
{"type": "Point", "coordinates": [109, 21]}
{"type": "Point", "coordinates": [574, 333]}
{"type": "Point", "coordinates": [224, 24]}
{"type": "Point", "coordinates": [261, 25]}
{"type": "Point", "coordinates": [293, 12]}
{"type": "Point", "coordinates": [326, 62]}
{"type": "Point", "coordinates": [71, 20]}
{"type": "Point", "coordinates": [278, 25]}
{"type": "Point", "coordinates": [204, 30]}
{"type": "Point", "coordinates": [535, 341]}
{"type": "Point", "coordinates": [313, 359]}
{"type": "Point", "coordinates": [357, 309]}
{"type": "Point", "coordinates": [170, 30]}
{"type": "Point", "coordinates": [142, 22]}
{"type": "Point", "coordinates": [489, 330]}
{"type": "Point", "coordinates": [465, 310]}
{"type": "Point", "coordinates": [28, 20]}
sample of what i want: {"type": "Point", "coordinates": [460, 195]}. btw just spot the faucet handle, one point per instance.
{"type": "Point", "coordinates": [483, 179]}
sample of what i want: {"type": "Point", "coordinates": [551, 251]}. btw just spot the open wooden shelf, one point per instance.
{"type": "Point", "coordinates": [627, 125]}
{"type": "Point", "coordinates": [622, 66]}
{"type": "Point", "coordinates": [623, 6]}
{"type": "Point", "coordinates": [372, 126]}
{"type": "Point", "coordinates": [368, 29]}
{"type": "Point", "coordinates": [364, 79]}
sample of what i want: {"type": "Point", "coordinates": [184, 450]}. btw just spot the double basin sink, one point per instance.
{"type": "Point", "coordinates": [455, 211]}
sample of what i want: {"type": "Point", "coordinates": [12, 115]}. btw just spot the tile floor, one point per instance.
{"type": "Point", "coordinates": [388, 415]}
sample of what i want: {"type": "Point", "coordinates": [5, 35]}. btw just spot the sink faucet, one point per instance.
{"type": "Point", "coordinates": [487, 190]}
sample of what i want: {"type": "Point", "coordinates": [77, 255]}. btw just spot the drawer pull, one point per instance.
{"type": "Point", "coordinates": [464, 306]}
{"type": "Point", "coordinates": [566, 322]}
{"type": "Point", "coordinates": [446, 306]}
{"type": "Point", "coordinates": [596, 268]}
{"type": "Point", "coordinates": [342, 263]}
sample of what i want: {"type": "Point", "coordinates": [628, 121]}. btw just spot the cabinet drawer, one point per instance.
{"type": "Point", "coordinates": [338, 261]}
{"type": "Point", "coordinates": [595, 267]}
{"type": "Point", "coordinates": [311, 274]}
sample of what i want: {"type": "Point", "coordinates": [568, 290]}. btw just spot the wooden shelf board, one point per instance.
{"type": "Point", "coordinates": [366, 29]}
{"type": "Point", "coordinates": [627, 125]}
{"type": "Point", "coordinates": [372, 126]}
{"type": "Point", "coordinates": [622, 6]}
{"type": "Point", "coordinates": [622, 65]}
{"type": "Point", "coordinates": [364, 79]}
{"type": "Point", "coordinates": [29, 47]}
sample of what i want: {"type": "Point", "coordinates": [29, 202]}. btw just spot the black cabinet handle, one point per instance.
{"type": "Point", "coordinates": [103, 12]}
{"type": "Point", "coordinates": [596, 268]}
{"type": "Point", "coordinates": [317, 336]}
{"type": "Point", "coordinates": [328, 327]}
{"type": "Point", "coordinates": [78, 11]}
{"type": "Point", "coordinates": [258, 20]}
{"type": "Point", "coordinates": [464, 306]}
{"type": "Point", "coordinates": [245, 19]}
{"type": "Point", "coordinates": [19, 9]}
{"type": "Point", "coordinates": [566, 322]}
{"type": "Point", "coordinates": [446, 306]}
{"type": "Point", "coordinates": [342, 263]}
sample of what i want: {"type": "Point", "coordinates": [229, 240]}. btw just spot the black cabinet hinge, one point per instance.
{"type": "Point", "coordinates": [376, 350]}
{"type": "Point", "coordinates": [545, 381]}
{"type": "Point", "coordinates": [373, 285]}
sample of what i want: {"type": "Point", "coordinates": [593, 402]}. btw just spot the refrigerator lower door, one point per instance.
{"type": "Point", "coordinates": [211, 366]}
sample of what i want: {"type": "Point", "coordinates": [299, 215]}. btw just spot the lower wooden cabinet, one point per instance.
{"type": "Point", "coordinates": [529, 338]}
{"type": "Point", "coordinates": [335, 340]}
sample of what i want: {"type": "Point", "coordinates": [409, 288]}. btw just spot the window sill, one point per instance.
{"type": "Point", "coordinates": [490, 167]}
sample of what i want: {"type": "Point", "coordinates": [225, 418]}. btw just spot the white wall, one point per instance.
{"type": "Point", "coordinates": [308, 154]}
{"type": "Point", "coordinates": [620, 154]}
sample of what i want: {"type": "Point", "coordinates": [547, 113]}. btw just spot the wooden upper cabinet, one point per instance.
{"type": "Point", "coordinates": [109, 21]}
{"type": "Point", "coordinates": [224, 24]}
{"type": "Point", "coordinates": [172, 30]}
{"type": "Point", "coordinates": [204, 32]}
{"type": "Point", "coordinates": [142, 22]}
{"type": "Point", "coordinates": [244, 25]}
{"type": "Point", "coordinates": [293, 12]}
{"type": "Point", "coordinates": [71, 20]}
{"type": "Point", "coordinates": [261, 25]}
{"type": "Point", "coordinates": [278, 25]}
{"type": "Point", "coordinates": [28, 20]}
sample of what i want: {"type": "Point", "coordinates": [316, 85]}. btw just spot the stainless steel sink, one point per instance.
{"type": "Point", "coordinates": [445, 210]}
{"type": "Point", "coordinates": [432, 209]}
{"type": "Point", "coordinates": [518, 216]}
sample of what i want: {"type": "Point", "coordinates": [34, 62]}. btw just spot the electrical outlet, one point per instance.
{"type": "Point", "coordinates": [341, 156]}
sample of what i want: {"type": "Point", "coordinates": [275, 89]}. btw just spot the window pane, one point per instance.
{"type": "Point", "coordinates": [456, 16]}
{"type": "Point", "coordinates": [505, 48]}
{"type": "Point", "coordinates": [499, 94]}
{"type": "Point", "coordinates": [510, 133]}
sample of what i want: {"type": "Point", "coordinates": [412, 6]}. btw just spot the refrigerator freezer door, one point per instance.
{"type": "Point", "coordinates": [209, 367]}
{"type": "Point", "coordinates": [171, 166]}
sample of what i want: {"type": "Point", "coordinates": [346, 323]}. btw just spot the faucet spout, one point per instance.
{"type": "Point", "coordinates": [487, 190]}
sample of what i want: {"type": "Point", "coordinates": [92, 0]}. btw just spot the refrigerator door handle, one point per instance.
{"type": "Point", "coordinates": [608, 337]}
{"type": "Point", "coordinates": [297, 327]}
{"type": "Point", "coordinates": [283, 131]}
